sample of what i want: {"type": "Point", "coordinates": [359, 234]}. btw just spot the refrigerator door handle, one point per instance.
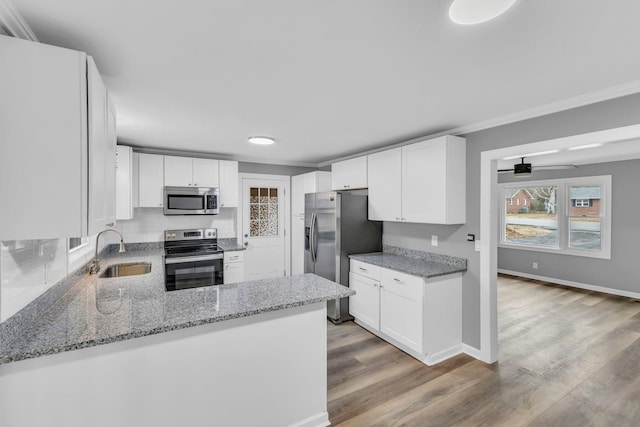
{"type": "Point", "coordinates": [313, 237]}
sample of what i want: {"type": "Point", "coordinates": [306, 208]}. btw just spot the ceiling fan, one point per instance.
{"type": "Point", "coordinates": [524, 169]}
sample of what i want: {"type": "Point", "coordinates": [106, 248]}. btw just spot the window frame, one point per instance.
{"type": "Point", "coordinates": [563, 206]}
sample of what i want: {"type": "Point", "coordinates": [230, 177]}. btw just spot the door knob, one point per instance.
{"type": "Point", "coordinates": [246, 235]}
{"type": "Point", "coordinates": [246, 243]}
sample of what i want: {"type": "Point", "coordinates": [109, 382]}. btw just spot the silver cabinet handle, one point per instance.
{"type": "Point", "coordinates": [398, 280]}
{"type": "Point", "coordinates": [363, 269]}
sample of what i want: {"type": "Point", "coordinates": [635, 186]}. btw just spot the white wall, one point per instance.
{"type": "Point", "coordinates": [148, 224]}
{"type": "Point", "coordinates": [28, 268]}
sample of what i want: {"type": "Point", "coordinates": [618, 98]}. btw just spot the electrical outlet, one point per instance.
{"type": "Point", "coordinates": [434, 240]}
{"type": "Point", "coordinates": [535, 265]}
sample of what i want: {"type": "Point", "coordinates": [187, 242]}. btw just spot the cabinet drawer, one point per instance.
{"type": "Point", "coordinates": [367, 270]}
{"type": "Point", "coordinates": [402, 284]}
{"type": "Point", "coordinates": [233, 256]}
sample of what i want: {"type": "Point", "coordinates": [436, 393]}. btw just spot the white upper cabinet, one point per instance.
{"type": "Point", "coordinates": [206, 173]}
{"type": "Point", "coordinates": [385, 182]}
{"type": "Point", "coordinates": [150, 180]}
{"type": "Point", "coordinates": [102, 153]}
{"type": "Point", "coordinates": [190, 172]}
{"type": "Point", "coordinates": [434, 181]}
{"type": "Point", "coordinates": [423, 182]}
{"type": "Point", "coordinates": [49, 142]}
{"type": "Point", "coordinates": [349, 174]}
{"type": "Point", "coordinates": [311, 182]}
{"type": "Point", "coordinates": [228, 184]}
{"type": "Point", "coordinates": [124, 182]}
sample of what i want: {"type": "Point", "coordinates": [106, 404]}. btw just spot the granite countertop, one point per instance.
{"type": "Point", "coordinates": [230, 245]}
{"type": "Point", "coordinates": [416, 263]}
{"type": "Point", "coordinates": [97, 311]}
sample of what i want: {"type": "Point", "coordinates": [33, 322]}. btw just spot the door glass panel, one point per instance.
{"type": "Point", "coordinates": [263, 212]}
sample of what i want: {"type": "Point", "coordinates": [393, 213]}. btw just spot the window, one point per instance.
{"type": "Point", "coordinates": [76, 242]}
{"type": "Point", "coordinates": [263, 212]}
{"type": "Point", "coordinates": [569, 216]}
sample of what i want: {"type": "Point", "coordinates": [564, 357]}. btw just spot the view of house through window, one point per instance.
{"type": "Point", "coordinates": [566, 215]}
{"type": "Point", "coordinates": [532, 219]}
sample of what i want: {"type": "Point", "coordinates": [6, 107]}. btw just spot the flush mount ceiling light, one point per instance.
{"type": "Point", "coordinates": [469, 12]}
{"type": "Point", "coordinates": [261, 140]}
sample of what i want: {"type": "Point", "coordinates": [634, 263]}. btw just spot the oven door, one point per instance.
{"type": "Point", "coordinates": [186, 272]}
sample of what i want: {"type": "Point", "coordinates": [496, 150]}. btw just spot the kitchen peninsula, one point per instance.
{"type": "Point", "coordinates": [122, 351]}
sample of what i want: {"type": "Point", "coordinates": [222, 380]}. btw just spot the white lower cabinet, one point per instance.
{"type": "Point", "coordinates": [233, 267]}
{"type": "Point", "coordinates": [421, 317]}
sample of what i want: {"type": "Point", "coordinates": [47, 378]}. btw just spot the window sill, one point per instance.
{"type": "Point", "coordinates": [602, 254]}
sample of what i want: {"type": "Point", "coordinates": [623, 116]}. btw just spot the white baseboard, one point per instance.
{"type": "Point", "coordinates": [318, 420]}
{"type": "Point", "coordinates": [472, 351]}
{"type": "Point", "coordinates": [440, 356]}
{"type": "Point", "coordinates": [612, 291]}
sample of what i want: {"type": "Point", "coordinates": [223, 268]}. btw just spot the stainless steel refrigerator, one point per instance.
{"type": "Point", "coordinates": [336, 226]}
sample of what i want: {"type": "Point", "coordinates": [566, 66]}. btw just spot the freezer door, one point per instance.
{"type": "Point", "coordinates": [324, 235]}
{"type": "Point", "coordinates": [309, 218]}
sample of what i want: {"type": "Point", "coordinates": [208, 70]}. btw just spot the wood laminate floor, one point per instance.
{"type": "Point", "coordinates": [567, 357]}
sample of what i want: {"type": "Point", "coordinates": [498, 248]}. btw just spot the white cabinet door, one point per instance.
{"type": "Point", "coordinates": [205, 173]}
{"type": "Point", "coordinates": [112, 138]}
{"type": "Point", "coordinates": [233, 273]}
{"type": "Point", "coordinates": [349, 174]}
{"type": "Point", "coordinates": [434, 181]}
{"type": "Point", "coordinates": [43, 113]}
{"type": "Point", "coordinates": [401, 308]}
{"type": "Point", "coordinates": [150, 180]}
{"type": "Point", "coordinates": [228, 184]}
{"type": "Point", "coordinates": [178, 171]}
{"type": "Point", "coordinates": [124, 183]}
{"type": "Point", "coordinates": [385, 183]}
{"type": "Point", "coordinates": [365, 304]}
{"type": "Point", "coordinates": [101, 155]}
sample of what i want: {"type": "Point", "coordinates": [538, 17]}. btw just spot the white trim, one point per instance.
{"type": "Point", "coordinates": [489, 221]}
{"type": "Point", "coordinates": [286, 180]}
{"type": "Point", "coordinates": [318, 420]}
{"type": "Point", "coordinates": [471, 351]}
{"type": "Point", "coordinates": [594, 97]}
{"type": "Point", "coordinates": [563, 207]}
{"type": "Point", "coordinates": [12, 22]}
{"type": "Point", "coordinates": [611, 291]}
{"type": "Point", "coordinates": [433, 358]}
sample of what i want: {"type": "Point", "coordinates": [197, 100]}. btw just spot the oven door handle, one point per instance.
{"type": "Point", "coordinates": [178, 260]}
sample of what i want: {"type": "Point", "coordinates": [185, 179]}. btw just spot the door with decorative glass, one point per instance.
{"type": "Point", "coordinates": [264, 227]}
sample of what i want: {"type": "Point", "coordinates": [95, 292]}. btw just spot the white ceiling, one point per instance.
{"type": "Point", "coordinates": [332, 78]}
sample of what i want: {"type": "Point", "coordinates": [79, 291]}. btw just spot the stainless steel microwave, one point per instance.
{"type": "Point", "coordinates": [191, 201]}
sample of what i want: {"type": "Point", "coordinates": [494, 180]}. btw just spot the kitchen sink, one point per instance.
{"type": "Point", "coordinates": [126, 269]}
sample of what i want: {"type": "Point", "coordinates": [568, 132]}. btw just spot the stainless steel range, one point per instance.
{"type": "Point", "coordinates": [192, 259]}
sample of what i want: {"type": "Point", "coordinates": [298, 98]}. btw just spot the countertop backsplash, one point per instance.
{"type": "Point", "coordinates": [149, 224]}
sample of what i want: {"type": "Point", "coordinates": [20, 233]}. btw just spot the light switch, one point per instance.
{"type": "Point", "coordinates": [477, 246]}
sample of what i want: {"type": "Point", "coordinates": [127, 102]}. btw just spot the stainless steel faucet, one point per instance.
{"type": "Point", "coordinates": [95, 264]}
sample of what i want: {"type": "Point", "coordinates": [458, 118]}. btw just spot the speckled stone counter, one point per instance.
{"type": "Point", "coordinates": [229, 245]}
{"type": "Point", "coordinates": [417, 263]}
{"type": "Point", "coordinates": [95, 311]}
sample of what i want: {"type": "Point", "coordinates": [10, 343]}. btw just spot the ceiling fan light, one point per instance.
{"type": "Point", "coordinates": [469, 12]}
{"type": "Point", "coordinates": [261, 140]}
